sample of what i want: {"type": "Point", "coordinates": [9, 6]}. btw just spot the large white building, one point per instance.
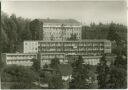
{"type": "Point", "coordinates": [60, 29]}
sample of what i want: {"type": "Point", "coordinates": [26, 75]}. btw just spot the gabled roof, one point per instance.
{"type": "Point", "coordinates": [65, 69]}
{"type": "Point", "coordinates": [60, 21]}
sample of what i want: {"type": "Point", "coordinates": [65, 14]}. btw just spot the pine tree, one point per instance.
{"type": "Point", "coordinates": [54, 63]}
{"type": "Point", "coordinates": [36, 64]}
{"type": "Point", "coordinates": [79, 75]}
{"type": "Point", "coordinates": [103, 72]}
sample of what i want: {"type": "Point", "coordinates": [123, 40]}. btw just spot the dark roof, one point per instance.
{"type": "Point", "coordinates": [65, 69]}
{"type": "Point", "coordinates": [61, 21]}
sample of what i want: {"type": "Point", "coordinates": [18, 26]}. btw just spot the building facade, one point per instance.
{"type": "Point", "coordinates": [60, 29]}
{"type": "Point", "coordinates": [86, 47]}
{"type": "Point", "coordinates": [90, 50]}
{"type": "Point", "coordinates": [24, 59]}
{"type": "Point", "coordinates": [30, 47]}
{"type": "Point", "coordinates": [55, 41]}
{"type": "Point", "coordinates": [47, 57]}
{"type": "Point", "coordinates": [66, 51]}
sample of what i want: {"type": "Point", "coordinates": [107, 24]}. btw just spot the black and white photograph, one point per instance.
{"type": "Point", "coordinates": [60, 44]}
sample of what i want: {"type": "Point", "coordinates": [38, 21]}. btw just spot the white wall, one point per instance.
{"type": "Point", "coordinates": [30, 47]}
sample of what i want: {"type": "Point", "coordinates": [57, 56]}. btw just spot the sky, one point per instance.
{"type": "Point", "coordinates": [83, 11]}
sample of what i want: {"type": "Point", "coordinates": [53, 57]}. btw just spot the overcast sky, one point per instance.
{"type": "Point", "coordinates": [83, 11]}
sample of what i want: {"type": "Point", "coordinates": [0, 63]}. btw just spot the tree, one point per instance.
{"type": "Point", "coordinates": [118, 78]}
{"type": "Point", "coordinates": [54, 62]}
{"type": "Point", "coordinates": [36, 65]}
{"type": "Point", "coordinates": [45, 66]}
{"type": "Point", "coordinates": [14, 31]}
{"type": "Point", "coordinates": [23, 31]}
{"type": "Point", "coordinates": [103, 72]}
{"type": "Point", "coordinates": [56, 82]}
{"type": "Point", "coordinates": [112, 35]}
{"type": "Point", "coordinates": [3, 41]}
{"type": "Point", "coordinates": [118, 73]}
{"type": "Point", "coordinates": [121, 62]}
{"type": "Point", "coordinates": [21, 77]}
{"type": "Point", "coordinates": [79, 75]}
{"type": "Point", "coordinates": [26, 33]}
{"type": "Point", "coordinates": [1, 64]}
{"type": "Point", "coordinates": [110, 31]}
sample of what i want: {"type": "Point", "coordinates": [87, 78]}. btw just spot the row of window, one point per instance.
{"type": "Point", "coordinates": [20, 57]}
{"type": "Point", "coordinates": [72, 48]}
{"type": "Point", "coordinates": [70, 51]}
{"type": "Point", "coordinates": [24, 63]}
{"type": "Point", "coordinates": [53, 56]}
{"type": "Point", "coordinates": [96, 53]}
{"type": "Point", "coordinates": [92, 61]}
{"type": "Point", "coordinates": [57, 34]}
{"type": "Point", "coordinates": [58, 38]}
{"type": "Point", "coordinates": [72, 43]}
{"type": "Point", "coordinates": [87, 61]}
{"type": "Point", "coordinates": [31, 49]}
{"type": "Point", "coordinates": [49, 61]}
{"type": "Point", "coordinates": [30, 43]}
{"type": "Point", "coordinates": [61, 28]}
